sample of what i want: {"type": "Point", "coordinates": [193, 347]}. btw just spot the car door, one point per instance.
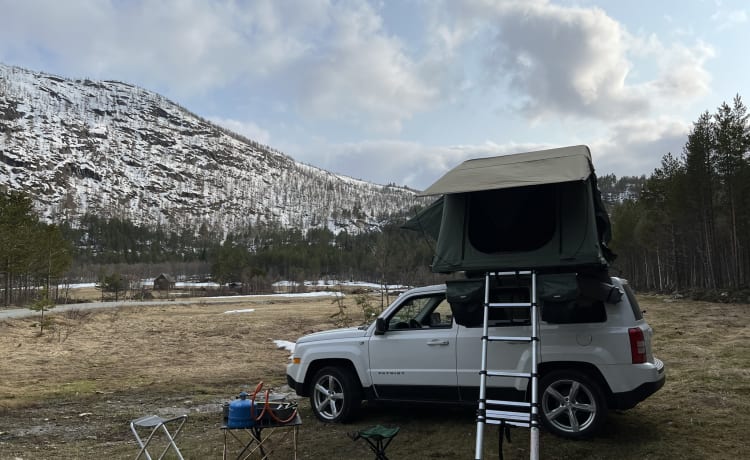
{"type": "Point", "coordinates": [415, 358]}
{"type": "Point", "coordinates": [501, 355]}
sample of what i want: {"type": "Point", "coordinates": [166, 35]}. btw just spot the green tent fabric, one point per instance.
{"type": "Point", "coordinates": [428, 220]}
{"type": "Point", "coordinates": [524, 211]}
{"type": "Point", "coordinates": [519, 170]}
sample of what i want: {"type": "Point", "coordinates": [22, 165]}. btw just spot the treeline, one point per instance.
{"type": "Point", "coordinates": [690, 228]}
{"type": "Point", "coordinates": [37, 257]}
{"type": "Point", "coordinates": [390, 255]}
{"type": "Point", "coordinates": [253, 258]}
{"type": "Point", "coordinates": [33, 255]}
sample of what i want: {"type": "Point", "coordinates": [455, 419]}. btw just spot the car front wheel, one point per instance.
{"type": "Point", "coordinates": [335, 395]}
{"type": "Point", "coordinates": [572, 404]}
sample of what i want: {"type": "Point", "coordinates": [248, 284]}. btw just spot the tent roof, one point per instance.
{"type": "Point", "coordinates": [519, 170]}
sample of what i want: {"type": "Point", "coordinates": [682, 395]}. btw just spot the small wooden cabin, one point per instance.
{"type": "Point", "coordinates": [163, 282]}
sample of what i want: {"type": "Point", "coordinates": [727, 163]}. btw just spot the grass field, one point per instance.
{"type": "Point", "coordinates": [71, 392]}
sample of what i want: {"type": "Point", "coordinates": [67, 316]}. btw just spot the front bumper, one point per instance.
{"type": "Point", "coordinates": [298, 387]}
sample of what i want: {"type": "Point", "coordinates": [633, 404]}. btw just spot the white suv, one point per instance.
{"type": "Point", "coordinates": [595, 356]}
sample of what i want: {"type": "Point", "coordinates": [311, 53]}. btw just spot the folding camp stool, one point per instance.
{"type": "Point", "coordinates": [377, 437]}
{"type": "Point", "coordinates": [154, 422]}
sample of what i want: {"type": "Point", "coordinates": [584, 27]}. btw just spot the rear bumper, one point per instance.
{"type": "Point", "coordinates": [630, 399]}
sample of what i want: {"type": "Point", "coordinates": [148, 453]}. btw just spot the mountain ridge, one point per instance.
{"type": "Point", "coordinates": [116, 150]}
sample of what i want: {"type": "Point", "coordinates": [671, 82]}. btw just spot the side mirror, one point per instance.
{"type": "Point", "coordinates": [380, 326]}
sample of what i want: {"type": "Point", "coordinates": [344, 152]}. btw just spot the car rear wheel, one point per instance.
{"type": "Point", "coordinates": [572, 404]}
{"type": "Point", "coordinates": [335, 395]}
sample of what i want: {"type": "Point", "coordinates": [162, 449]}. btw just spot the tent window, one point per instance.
{"type": "Point", "coordinates": [512, 220]}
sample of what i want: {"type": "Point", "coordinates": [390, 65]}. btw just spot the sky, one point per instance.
{"type": "Point", "coordinates": [401, 91]}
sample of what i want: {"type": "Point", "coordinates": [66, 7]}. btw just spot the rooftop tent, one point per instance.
{"type": "Point", "coordinates": [529, 210]}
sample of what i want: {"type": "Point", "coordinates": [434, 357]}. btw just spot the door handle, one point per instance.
{"type": "Point", "coordinates": [437, 342]}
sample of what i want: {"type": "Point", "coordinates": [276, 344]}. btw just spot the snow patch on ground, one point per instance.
{"type": "Point", "coordinates": [299, 294]}
{"type": "Point", "coordinates": [246, 310]}
{"type": "Point", "coordinates": [285, 344]}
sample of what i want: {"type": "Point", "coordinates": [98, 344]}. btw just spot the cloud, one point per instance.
{"type": "Point", "coordinates": [730, 19]}
{"type": "Point", "coordinates": [360, 75]}
{"type": "Point", "coordinates": [337, 70]}
{"type": "Point", "coordinates": [412, 164]}
{"type": "Point", "coordinates": [627, 148]}
{"type": "Point", "coordinates": [570, 62]}
{"type": "Point", "coordinates": [682, 75]}
{"type": "Point", "coordinates": [332, 58]}
{"type": "Point", "coordinates": [636, 147]}
{"type": "Point", "coordinates": [246, 128]}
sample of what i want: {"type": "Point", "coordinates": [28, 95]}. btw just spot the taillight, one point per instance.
{"type": "Point", "coordinates": [637, 345]}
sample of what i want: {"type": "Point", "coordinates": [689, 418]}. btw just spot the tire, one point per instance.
{"type": "Point", "coordinates": [571, 404]}
{"type": "Point", "coordinates": [335, 395]}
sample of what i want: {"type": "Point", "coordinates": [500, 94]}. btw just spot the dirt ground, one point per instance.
{"type": "Point", "coordinates": [66, 385]}
{"type": "Point", "coordinates": [70, 392]}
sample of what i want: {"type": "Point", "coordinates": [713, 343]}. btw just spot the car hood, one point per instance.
{"type": "Point", "coordinates": [333, 334]}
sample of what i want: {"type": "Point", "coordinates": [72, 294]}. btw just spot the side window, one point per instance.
{"type": "Point", "coordinates": [633, 302]}
{"type": "Point", "coordinates": [441, 316]}
{"type": "Point", "coordinates": [422, 312]}
{"type": "Point", "coordinates": [499, 316]}
{"type": "Point", "coordinates": [581, 310]}
{"type": "Point", "coordinates": [513, 316]}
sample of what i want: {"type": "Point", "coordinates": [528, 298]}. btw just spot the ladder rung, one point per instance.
{"type": "Point", "coordinates": [525, 375]}
{"type": "Point", "coordinates": [500, 402]}
{"type": "Point", "coordinates": [508, 415]}
{"type": "Point", "coordinates": [522, 272]}
{"type": "Point", "coordinates": [509, 304]}
{"type": "Point", "coordinates": [500, 338]}
{"type": "Point", "coordinates": [508, 422]}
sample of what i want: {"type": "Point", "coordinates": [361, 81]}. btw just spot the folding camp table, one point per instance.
{"type": "Point", "coordinates": [256, 438]}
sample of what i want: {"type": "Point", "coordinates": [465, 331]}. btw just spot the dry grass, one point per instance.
{"type": "Point", "coordinates": [71, 392]}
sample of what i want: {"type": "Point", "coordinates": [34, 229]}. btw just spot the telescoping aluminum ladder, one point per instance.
{"type": "Point", "coordinates": [499, 412]}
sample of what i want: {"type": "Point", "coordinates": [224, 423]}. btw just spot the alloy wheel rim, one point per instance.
{"type": "Point", "coordinates": [569, 406]}
{"type": "Point", "coordinates": [329, 397]}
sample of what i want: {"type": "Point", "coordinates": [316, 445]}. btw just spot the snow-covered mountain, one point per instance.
{"type": "Point", "coordinates": [113, 149]}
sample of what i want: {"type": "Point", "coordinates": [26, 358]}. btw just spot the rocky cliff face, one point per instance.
{"type": "Point", "coordinates": [113, 149]}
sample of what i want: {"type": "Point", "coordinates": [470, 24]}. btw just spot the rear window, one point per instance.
{"type": "Point", "coordinates": [633, 301]}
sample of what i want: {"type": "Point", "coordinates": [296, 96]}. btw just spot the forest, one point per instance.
{"type": "Point", "coordinates": [688, 231]}
{"type": "Point", "coordinates": [33, 255]}
{"type": "Point", "coordinates": [682, 230]}
{"type": "Point", "coordinates": [109, 251]}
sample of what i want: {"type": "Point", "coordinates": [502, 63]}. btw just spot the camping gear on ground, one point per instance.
{"type": "Point", "coordinates": [241, 412]}
{"type": "Point", "coordinates": [249, 416]}
{"type": "Point", "coordinates": [156, 424]}
{"type": "Point", "coordinates": [258, 407]}
{"type": "Point", "coordinates": [378, 437]}
{"type": "Point", "coordinates": [273, 408]}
